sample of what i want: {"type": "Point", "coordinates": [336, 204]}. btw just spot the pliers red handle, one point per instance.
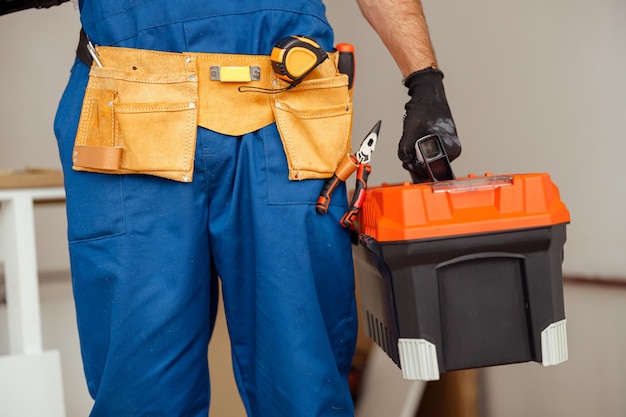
{"type": "Point", "coordinates": [346, 167]}
{"type": "Point", "coordinates": [362, 174]}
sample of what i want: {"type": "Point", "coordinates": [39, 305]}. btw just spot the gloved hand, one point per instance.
{"type": "Point", "coordinates": [426, 113]}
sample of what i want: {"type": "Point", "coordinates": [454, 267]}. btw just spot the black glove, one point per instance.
{"type": "Point", "coordinates": [426, 113]}
{"type": "Point", "coordinates": [10, 6]}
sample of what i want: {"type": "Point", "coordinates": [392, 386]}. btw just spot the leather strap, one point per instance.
{"type": "Point", "coordinates": [97, 157]}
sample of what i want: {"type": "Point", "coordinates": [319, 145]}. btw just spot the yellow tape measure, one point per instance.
{"type": "Point", "coordinates": [294, 57]}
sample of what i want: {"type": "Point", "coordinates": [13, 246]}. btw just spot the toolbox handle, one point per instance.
{"type": "Point", "coordinates": [430, 152]}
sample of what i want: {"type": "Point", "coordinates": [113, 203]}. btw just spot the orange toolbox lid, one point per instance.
{"type": "Point", "coordinates": [465, 206]}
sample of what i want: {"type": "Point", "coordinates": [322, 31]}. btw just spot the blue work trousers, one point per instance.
{"type": "Point", "coordinates": [146, 254]}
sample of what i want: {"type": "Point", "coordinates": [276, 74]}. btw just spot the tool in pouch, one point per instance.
{"type": "Point", "coordinates": [359, 161]}
{"type": "Point", "coordinates": [295, 57]}
{"type": "Point", "coordinates": [292, 58]}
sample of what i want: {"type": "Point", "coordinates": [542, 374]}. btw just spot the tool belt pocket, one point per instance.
{"type": "Point", "coordinates": [138, 120]}
{"type": "Point", "coordinates": [315, 122]}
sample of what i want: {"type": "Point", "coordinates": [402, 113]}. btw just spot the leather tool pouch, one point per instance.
{"type": "Point", "coordinates": [139, 115]}
{"type": "Point", "coordinates": [142, 108]}
{"type": "Point", "coordinates": [315, 122]}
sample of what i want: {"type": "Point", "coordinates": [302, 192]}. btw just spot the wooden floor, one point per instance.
{"type": "Point", "coordinates": [456, 394]}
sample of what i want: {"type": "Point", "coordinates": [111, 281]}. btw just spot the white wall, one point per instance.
{"type": "Point", "coordinates": [533, 86]}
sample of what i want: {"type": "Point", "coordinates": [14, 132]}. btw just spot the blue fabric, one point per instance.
{"type": "Point", "coordinates": [146, 252]}
{"type": "Point", "coordinates": [165, 25]}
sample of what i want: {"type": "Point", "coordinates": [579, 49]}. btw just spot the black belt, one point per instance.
{"type": "Point", "coordinates": [81, 51]}
{"type": "Point", "coordinates": [10, 6]}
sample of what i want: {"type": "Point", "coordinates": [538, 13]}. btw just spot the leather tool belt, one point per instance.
{"type": "Point", "coordinates": [142, 108]}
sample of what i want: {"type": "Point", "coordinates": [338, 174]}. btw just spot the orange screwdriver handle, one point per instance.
{"type": "Point", "coordinates": [347, 63]}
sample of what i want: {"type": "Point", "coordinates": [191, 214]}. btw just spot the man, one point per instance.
{"type": "Point", "coordinates": [146, 249]}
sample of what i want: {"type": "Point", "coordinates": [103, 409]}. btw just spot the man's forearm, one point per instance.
{"type": "Point", "coordinates": [402, 28]}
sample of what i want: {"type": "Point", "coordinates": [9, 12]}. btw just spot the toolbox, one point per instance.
{"type": "Point", "coordinates": [464, 273]}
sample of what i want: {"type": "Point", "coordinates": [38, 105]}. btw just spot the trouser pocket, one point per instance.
{"type": "Point", "coordinates": [139, 118]}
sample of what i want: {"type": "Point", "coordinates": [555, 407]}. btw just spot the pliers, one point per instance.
{"type": "Point", "coordinates": [359, 161]}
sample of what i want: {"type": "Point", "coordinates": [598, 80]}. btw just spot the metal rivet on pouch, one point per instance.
{"type": "Point", "coordinates": [192, 78]}
{"type": "Point", "coordinates": [278, 106]}
{"type": "Point", "coordinates": [75, 160]}
{"type": "Point", "coordinates": [75, 153]}
{"type": "Point", "coordinates": [110, 104]}
{"type": "Point", "coordinates": [187, 59]}
{"type": "Point", "coordinates": [192, 105]}
{"type": "Point", "coordinates": [185, 178]}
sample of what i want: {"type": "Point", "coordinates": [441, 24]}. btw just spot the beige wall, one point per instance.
{"type": "Point", "coordinates": [533, 85]}
{"type": "Point", "coordinates": [37, 49]}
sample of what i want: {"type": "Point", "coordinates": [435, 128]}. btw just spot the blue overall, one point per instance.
{"type": "Point", "coordinates": [146, 252]}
